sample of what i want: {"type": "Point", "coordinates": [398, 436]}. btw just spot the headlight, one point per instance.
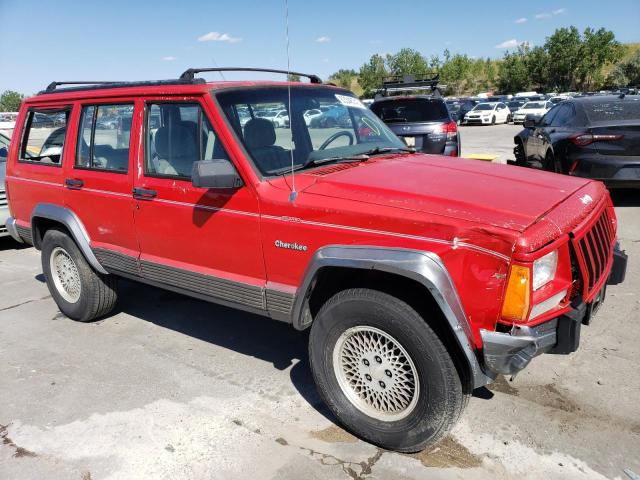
{"type": "Point", "coordinates": [544, 269]}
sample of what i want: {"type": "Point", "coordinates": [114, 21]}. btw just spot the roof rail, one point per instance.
{"type": "Point", "coordinates": [190, 73]}
{"type": "Point", "coordinates": [403, 83]}
{"type": "Point", "coordinates": [53, 85]}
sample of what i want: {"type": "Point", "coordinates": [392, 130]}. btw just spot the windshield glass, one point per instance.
{"type": "Point", "coordinates": [604, 110]}
{"type": "Point", "coordinates": [411, 110]}
{"type": "Point", "coordinates": [326, 124]}
{"type": "Point", "coordinates": [484, 106]}
{"type": "Point", "coordinates": [532, 105]}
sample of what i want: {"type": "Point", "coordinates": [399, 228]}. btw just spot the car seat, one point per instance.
{"type": "Point", "coordinates": [260, 137]}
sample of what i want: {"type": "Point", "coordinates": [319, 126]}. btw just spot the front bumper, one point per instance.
{"type": "Point", "coordinates": [507, 353]}
{"type": "Point", "coordinates": [12, 230]}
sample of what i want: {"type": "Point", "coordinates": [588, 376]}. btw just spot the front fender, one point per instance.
{"type": "Point", "coordinates": [425, 268]}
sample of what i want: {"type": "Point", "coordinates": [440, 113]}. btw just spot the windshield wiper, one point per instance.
{"type": "Point", "coordinates": [382, 150]}
{"type": "Point", "coordinates": [363, 157]}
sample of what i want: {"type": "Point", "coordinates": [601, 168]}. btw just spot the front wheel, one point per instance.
{"type": "Point", "coordinates": [383, 372]}
{"type": "Point", "coordinates": [493, 120]}
{"type": "Point", "coordinates": [80, 292]}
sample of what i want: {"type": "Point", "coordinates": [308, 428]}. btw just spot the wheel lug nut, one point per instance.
{"type": "Point", "coordinates": [368, 377]}
{"type": "Point", "coordinates": [366, 362]}
{"type": "Point", "coordinates": [388, 373]}
{"type": "Point", "coordinates": [382, 384]}
{"type": "Point", "coordinates": [378, 359]}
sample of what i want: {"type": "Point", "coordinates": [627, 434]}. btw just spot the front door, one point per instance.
{"type": "Point", "coordinates": [198, 240]}
{"type": "Point", "coordinates": [99, 179]}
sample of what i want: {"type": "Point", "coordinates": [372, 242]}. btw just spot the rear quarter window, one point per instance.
{"type": "Point", "coordinates": [44, 136]}
{"type": "Point", "coordinates": [618, 109]}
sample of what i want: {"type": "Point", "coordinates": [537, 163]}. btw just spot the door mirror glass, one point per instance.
{"type": "Point", "coordinates": [216, 173]}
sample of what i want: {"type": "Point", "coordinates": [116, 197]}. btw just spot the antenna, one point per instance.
{"type": "Point", "coordinates": [293, 195]}
{"type": "Point", "coordinates": [219, 71]}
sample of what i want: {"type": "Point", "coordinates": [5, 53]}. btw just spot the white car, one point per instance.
{"type": "Point", "coordinates": [281, 119]}
{"type": "Point", "coordinates": [488, 113]}
{"type": "Point", "coordinates": [537, 109]}
{"type": "Point", "coordinates": [311, 114]}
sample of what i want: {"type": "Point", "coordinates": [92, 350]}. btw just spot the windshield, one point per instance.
{"type": "Point", "coordinates": [411, 110]}
{"type": "Point", "coordinates": [484, 106]}
{"type": "Point", "coordinates": [532, 105]}
{"type": "Point", "coordinates": [604, 110]}
{"type": "Point", "coordinates": [327, 124]}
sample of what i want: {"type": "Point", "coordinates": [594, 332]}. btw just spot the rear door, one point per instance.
{"type": "Point", "coordinates": [99, 179]}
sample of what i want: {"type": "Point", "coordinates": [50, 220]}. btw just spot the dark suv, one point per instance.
{"type": "Point", "coordinates": [422, 121]}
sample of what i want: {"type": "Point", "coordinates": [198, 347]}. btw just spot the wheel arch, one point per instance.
{"type": "Point", "coordinates": [413, 269]}
{"type": "Point", "coordinates": [48, 215]}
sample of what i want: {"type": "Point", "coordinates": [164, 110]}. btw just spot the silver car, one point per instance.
{"type": "Point", "coordinates": [4, 207]}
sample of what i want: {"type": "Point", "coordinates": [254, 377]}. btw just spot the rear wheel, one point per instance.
{"type": "Point", "coordinates": [518, 152]}
{"type": "Point", "coordinates": [508, 119]}
{"type": "Point", "coordinates": [550, 163]}
{"type": "Point", "coordinates": [80, 292]}
{"type": "Point", "coordinates": [383, 372]}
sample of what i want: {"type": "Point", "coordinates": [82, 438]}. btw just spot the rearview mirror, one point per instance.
{"type": "Point", "coordinates": [530, 121]}
{"type": "Point", "coordinates": [216, 173]}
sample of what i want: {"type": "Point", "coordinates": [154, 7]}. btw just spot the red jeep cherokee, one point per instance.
{"type": "Point", "coordinates": [422, 277]}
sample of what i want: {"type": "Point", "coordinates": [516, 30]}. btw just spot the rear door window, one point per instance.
{"type": "Point", "coordinates": [44, 136]}
{"type": "Point", "coordinates": [564, 116]}
{"type": "Point", "coordinates": [104, 136]}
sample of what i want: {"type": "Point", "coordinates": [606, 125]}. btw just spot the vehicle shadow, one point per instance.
{"type": "Point", "coordinates": [260, 337]}
{"type": "Point", "coordinates": [625, 197]}
{"type": "Point", "coordinates": [8, 243]}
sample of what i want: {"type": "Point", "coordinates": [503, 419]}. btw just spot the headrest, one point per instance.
{"type": "Point", "coordinates": [176, 141]}
{"type": "Point", "coordinates": [259, 132]}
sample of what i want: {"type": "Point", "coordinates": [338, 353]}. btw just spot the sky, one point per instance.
{"type": "Point", "coordinates": [46, 40]}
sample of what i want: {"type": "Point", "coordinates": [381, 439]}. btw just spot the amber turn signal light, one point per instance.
{"type": "Point", "coordinates": [517, 297]}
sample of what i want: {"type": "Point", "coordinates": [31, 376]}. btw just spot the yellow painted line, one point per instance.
{"type": "Point", "coordinates": [482, 156]}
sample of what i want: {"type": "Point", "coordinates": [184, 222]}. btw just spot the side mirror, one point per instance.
{"type": "Point", "coordinates": [530, 121]}
{"type": "Point", "coordinates": [216, 173]}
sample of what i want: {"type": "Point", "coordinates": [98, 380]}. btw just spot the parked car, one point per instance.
{"type": "Point", "coordinates": [420, 278]}
{"type": "Point", "coordinates": [311, 114]}
{"type": "Point", "coordinates": [335, 116]}
{"type": "Point", "coordinates": [515, 105]}
{"type": "Point", "coordinates": [110, 123]}
{"type": "Point", "coordinates": [593, 137]}
{"type": "Point", "coordinates": [4, 207]}
{"type": "Point", "coordinates": [422, 121]}
{"type": "Point", "coordinates": [454, 111]}
{"type": "Point", "coordinates": [8, 120]}
{"type": "Point", "coordinates": [488, 114]}
{"type": "Point", "coordinates": [281, 119]}
{"type": "Point", "coordinates": [465, 107]}
{"type": "Point", "coordinates": [535, 109]}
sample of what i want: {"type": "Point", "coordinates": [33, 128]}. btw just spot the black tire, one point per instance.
{"type": "Point", "coordinates": [493, 120]}
{"type": "Point", "coordinates": [509, 118]}
{"type": "Point", "coordinates": [440, 400]}
{"type": "Point", "coordinates": [98, 292]}
{"type": "Point", "coordinates": [550, 163]}
{"type": "Point", "coordinates": [518, 152]}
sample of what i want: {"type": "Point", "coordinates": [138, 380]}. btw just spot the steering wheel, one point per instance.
{"type": "Point", "coordinates": [341, 133]}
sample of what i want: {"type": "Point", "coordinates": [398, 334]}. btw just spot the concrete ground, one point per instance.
{"type": "Point", "coordinates": [495, 140]}
{"type": "Point", "coordinates": [170, 387]}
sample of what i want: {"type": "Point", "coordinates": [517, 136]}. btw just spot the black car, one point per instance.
{"type": "Point", "coordinates": [515, 105]}
{"type": "Point", "coordinates": [454, 110]}
{"type": "Point", "coordinates": [422, 121]}
{"type": "Point", "coordinates": [595, 137]}
{"type": "Point", "coordinates": [465, 107]}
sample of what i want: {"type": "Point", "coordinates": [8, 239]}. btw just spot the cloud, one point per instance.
{"type": "Point", "coordinates": [520, 20]}
{"type": "Point", "coordinates": [540, 16]}
{"type": "Point", "coordinates": [169, 58]}
{"type": "Point", "coordinates": [325, 60]}
{"type": "Point", "coordinates": [323, 39]}
{"type": "Point", "coordinates": [559, 11]}
{"type": "Point", "coordinates": [218, 37]}
{"type": "Point", "coordinates": [513, 43]}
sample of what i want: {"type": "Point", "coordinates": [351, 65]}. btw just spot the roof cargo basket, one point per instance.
{"type": "Point", "coordinates": [190, 73]}
{"type": "Point", "coordinates": [410, 83]}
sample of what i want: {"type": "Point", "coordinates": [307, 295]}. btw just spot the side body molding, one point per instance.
{"type": "Point", "coordinates": [70, 220]}
{"type": "Point", "coordinates": [424, 267]}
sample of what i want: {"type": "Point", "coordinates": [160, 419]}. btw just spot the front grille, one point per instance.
{"type": "Point", "coordinates": [594, 249]}
{"type": "Point", "coordinates": [3, 198]}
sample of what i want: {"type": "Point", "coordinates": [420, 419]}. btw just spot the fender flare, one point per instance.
{"type": "Point", "coordinates": [73, 224]}
{"type": "Point", "coordinates": [424, 267]}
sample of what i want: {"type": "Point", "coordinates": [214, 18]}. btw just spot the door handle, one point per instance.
{"type": "Point", "coordinates": [144, 193]}
{"type": "Point", "coordinates": [73, 183]}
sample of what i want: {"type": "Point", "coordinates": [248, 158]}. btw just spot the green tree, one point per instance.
{"type": "Point", "coordinates": [598, 48]}
{"type": "Point", "coordinates": [538, 64]}
{"type": "Point", "coordinates": [513, 72]}
{"type": "Point", "coordinates": [407, 62]}
{"type": "Point", "coordinates": [10, 101]}
{"type": "Point", "coordinates": [372, 74]}
{"type": "Point", "coordinates": [626, 73]}
{"type": "Point", "coordinates": [293, 78]}
{"type": "Point", "coordinates": [564, 48]}
{"type": "Point", "coordinates": [344, 77]}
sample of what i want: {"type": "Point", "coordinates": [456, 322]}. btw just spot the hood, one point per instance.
{"type": "Point", "coordinates": [503, 196]}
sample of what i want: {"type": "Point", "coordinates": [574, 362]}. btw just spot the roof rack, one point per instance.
{"type": "Point", "coordinates": [410, 83]}
{"type": "Point", "coordinates": [190, 73]}
{"type": "Point", "coordinates": [52, 87]}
